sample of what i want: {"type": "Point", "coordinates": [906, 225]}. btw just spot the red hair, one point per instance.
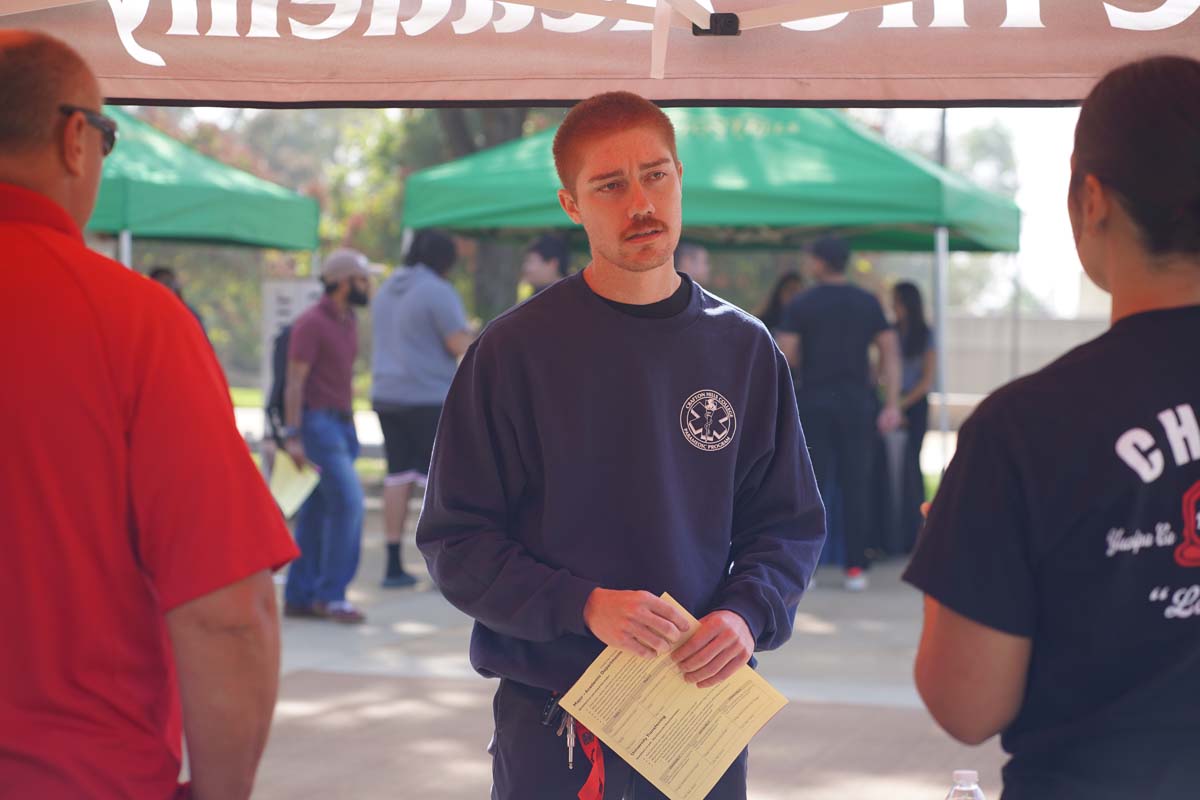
{"type": "Point", "coordinates": [603, 115]}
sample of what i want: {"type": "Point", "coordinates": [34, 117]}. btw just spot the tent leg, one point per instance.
{"type": "Point", "coordinates": [1016, 319]}
{"type": "Point", "coordinates": [941, 275]}
{"type": "Point", "coordinates": [125, 248]}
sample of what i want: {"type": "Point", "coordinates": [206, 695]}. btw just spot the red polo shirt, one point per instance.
{"type": "Point", "coordinates": [125, 491]}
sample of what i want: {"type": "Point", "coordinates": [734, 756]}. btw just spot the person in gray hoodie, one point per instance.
{"type": "Point", "coordinates": [420, 330]}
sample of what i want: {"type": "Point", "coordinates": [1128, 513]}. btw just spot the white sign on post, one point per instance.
{"type": "Point", "coordinates": [283, 301]}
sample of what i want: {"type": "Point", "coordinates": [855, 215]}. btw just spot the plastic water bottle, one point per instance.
{"type": "Point", "coordinates": [966, 786]}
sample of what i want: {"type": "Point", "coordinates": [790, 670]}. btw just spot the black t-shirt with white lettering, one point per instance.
{"type": "Point", "coordinates": [836, 323]}
{"type": "Point", "coordinates": [1069, 516]}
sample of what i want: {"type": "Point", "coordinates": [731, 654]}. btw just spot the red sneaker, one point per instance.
{"type": "Point", "coordinates": [856, 580]}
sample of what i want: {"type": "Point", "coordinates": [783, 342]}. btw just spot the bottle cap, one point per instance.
{"type": "Point", "coordinates": [966, 776]}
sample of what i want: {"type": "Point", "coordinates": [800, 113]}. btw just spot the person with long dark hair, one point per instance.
{"type": "Point", "coordinates": [1061, 558]}
{"type": "Point", "coordinates": [786, 287]}
{"type": "Point", "coordinates": [917, 366]}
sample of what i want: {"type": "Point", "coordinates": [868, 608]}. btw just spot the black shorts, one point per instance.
{"type": "Point", "coordinates": [408, 434]}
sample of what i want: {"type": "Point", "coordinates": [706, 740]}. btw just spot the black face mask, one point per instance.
{"type": "Point", "coordinates": [358, 297]}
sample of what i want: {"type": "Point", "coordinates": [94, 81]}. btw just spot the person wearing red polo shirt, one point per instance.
{"type": "Point", "coordinates": [136, 601]}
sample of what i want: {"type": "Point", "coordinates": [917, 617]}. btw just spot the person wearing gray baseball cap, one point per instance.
{"type": "Point", "coordinates": [343, 264]}
{"type": "Point", "coordinates": [319, 421]}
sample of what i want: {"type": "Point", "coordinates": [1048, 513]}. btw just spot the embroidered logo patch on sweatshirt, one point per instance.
{"type": "Point", "coordinates": [708, 421]}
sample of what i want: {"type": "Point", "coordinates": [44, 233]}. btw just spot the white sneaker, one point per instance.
{"type": "Point", "coordinates": [856, 581]}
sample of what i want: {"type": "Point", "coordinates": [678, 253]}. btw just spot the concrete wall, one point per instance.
{"type": "Point", "coordinates": [979, 355]}
{"type": "Point", "coordinates": [979, 350]}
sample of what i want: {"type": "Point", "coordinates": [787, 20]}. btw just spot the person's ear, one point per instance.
{"type": "Point", "coordinates": [1095, 204]}
{"type": "Point", "coordinates": [73, 142]}
{"type": "Point", "coordinates": [567, 200]}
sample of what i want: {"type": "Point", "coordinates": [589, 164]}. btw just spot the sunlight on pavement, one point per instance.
{"type": "Point", "coordinates": [807, 623]}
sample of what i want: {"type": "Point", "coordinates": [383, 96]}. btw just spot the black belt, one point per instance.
{"type": "Point", "coordinates": [344, 416]}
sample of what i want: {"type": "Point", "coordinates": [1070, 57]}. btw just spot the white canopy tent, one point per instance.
{"type": "Point", "coordinates": [545, 52]}
{"type": "Point", "coordinates": [429, 52]}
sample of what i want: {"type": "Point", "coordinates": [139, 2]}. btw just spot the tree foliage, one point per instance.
{"type": "Point", "coordinates": [984, 155]}
{"type": "Point", "coordinates": [356, 161]}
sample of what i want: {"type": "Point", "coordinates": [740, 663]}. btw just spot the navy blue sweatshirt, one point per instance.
{"type": "Point", "coordinates": [581, 447]}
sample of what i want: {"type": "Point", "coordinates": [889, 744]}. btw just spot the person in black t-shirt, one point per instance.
{"type": "Point", "coordinates": [826, 334]}
{"type": "Point", "coordinates": [1060, 561]}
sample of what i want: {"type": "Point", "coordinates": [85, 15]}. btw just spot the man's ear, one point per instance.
{"type": "Point", "coordinates": [567, 201]}
{"type": "Point", "coordinates": [72, 142]}
{"type": "Point", "coordinates": [679, 166]}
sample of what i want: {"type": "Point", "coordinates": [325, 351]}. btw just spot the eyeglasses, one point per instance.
{"type": "Point", "coordinates": [106, 126]}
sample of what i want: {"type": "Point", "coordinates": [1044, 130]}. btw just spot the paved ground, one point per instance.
{"type": "Point", "coordinates": [392, 710]}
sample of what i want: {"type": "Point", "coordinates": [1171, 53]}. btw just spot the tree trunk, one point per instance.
{"type": "Point", "coordinates": [498, 266]}
{"type": "Point", "coordinates": [497, 270]}
{"type": "Point", "coordinates": [468, 132]}
{"type": "Point", "coordinates": [502, 124]}
{"type": "Point", "coordinates": [453, 122]}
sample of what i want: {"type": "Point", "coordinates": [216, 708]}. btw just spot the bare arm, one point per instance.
{"type": "Point", "coordinates": [293, 407]}
{"type": "Point", "coordinates": [889, 362]}
{"type": "Point", "coordinates": [789, 345]}
{"type": "Point", "coordinates": [226, 647]}
{"type": "Point", "coordinates": [293, 393]}
{"type": "Point", "coordinates": [458, 342]}
{"type": "Point", "coordinates": [971, 677]}
{"type": "Point", "coordinates": [925, 384]}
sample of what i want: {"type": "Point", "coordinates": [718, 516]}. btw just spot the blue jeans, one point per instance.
{"type": "Point", "coordinates": [329, 524]}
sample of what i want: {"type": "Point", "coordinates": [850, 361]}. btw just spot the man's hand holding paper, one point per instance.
{"type": "Point", "coordinates": [721, 645]}
{"type": "Point", "coordinates": [634, 621]}
{"type": "Point", "coordinates": [679, 721]}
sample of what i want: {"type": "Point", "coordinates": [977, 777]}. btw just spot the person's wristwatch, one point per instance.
{"type": "Point", "coordinates": [290, 432]}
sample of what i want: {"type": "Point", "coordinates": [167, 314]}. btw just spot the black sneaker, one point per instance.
{"type": "Point", "coordinates": [399, 580]}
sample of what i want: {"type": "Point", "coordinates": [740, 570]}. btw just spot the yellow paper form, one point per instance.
{"type": "Point", "coordinates": [290, 486]}
{"type": "Point", "coordinates": [679, 737]}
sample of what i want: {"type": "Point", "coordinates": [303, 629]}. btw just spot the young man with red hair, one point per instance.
{"type": "Point", "coordinates": [650, 444]}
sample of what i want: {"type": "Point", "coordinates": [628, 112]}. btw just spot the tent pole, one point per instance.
{"type": "Point", "coordinates": [941, 248]}
{"type": "Point", "coordinates": [125, 248]}
{"type": "Point", "coordinates": [1016, 318]}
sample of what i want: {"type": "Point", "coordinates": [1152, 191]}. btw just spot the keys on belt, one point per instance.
{"type": "Point", "coordinates": [552, 712]}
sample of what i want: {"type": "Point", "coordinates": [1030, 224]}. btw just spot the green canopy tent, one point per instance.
{"type": "Point", "coordinates": [155, 187]}
{"type": "Point", "coordinates": [758, 177]}
{"type": "Point", "coordinates": [752, 176]}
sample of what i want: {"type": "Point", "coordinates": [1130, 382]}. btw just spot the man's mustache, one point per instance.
{"type": "Point", "coordinates": [643, 227]}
